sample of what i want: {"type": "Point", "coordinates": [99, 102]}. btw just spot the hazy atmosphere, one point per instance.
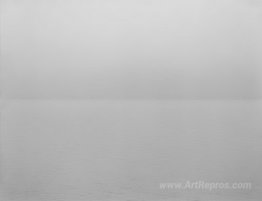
{"type": "Point", "coordinates": [131, 49]}
{"type": "Point", "coordinates": [111, 100]}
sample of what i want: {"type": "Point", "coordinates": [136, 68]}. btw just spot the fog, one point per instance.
{"type": "Point", "coordinates": [106, 100]}
{"type": "Point", "coordinates": [131, 49]}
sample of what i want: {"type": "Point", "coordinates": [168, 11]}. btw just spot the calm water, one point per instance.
{"type": "Point", "coordinates": [123, 150]}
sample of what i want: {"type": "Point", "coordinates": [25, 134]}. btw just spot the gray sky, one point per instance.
{"type": "Point", "coordinates": [131, 49]}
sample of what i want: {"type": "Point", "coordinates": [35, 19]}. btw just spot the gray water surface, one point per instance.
{"type": "Point", "coordinates": [123, 150]}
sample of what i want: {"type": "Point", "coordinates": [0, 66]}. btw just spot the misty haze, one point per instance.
{"type": "Point", "coordinates": [106, 100]}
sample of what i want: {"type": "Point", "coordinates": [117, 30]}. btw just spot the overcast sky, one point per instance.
{"type": "Point", "coordinates": [131, 49]}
